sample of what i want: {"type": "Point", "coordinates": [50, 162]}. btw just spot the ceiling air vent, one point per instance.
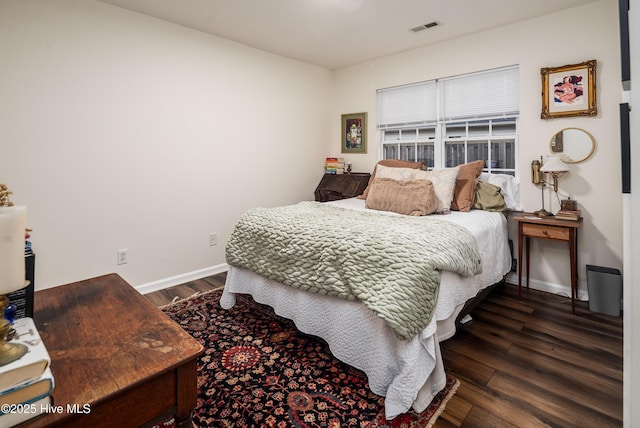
{"type": "Point", "coordinates": [424, 27]}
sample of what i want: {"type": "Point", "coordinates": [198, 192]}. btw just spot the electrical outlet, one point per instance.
{"type": "Point", "coordinates": [213, 239]}
{"type": "Point", "coordinates": [123, 257]}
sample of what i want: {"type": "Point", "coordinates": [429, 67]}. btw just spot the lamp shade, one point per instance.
{"type": "Point", "coordinates": [554, 164]}
{"type": "Point", "coordinates": [12, 227]}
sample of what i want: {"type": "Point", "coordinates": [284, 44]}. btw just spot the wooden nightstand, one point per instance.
{"type": "Point", "coordinates": [530, 226]}
{"type": "Point", "coordinates": [341, 186]}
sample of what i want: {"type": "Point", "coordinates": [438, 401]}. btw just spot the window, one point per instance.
{"type": "Point", "coordinates": [451, 121]}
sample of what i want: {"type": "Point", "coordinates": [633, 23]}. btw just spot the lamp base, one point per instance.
{"type": "Point", "coordinates": [9, 352]}
{"type": "Point", "coordinates": [542, 213]}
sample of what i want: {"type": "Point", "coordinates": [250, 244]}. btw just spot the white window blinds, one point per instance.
{"type": "Point", "coordinates": [483, 94]}
{"type": "Point", "coordinates": [490, 93]}
{"type": "Point", "coordinates": [408, 105]}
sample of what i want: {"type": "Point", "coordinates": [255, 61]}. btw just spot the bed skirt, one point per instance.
{"type": "Point", "coordinates": [408, 373]}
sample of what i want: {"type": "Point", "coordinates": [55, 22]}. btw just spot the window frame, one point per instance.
{"type": "Point", "coordinates": [434, 131]}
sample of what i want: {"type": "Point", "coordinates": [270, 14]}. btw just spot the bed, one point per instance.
{"type": "Point", "coordinates": [407, 370]}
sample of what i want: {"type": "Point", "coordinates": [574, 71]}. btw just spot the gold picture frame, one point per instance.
{"type": "Point", "coordinates": [569, 90]}
{"type": "Point", "coordinates": [354, 133]}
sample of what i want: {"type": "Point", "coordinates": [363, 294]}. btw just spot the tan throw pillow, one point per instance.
{"type": "Point", "coordinates": [465, 191]}
{"type": "Point", "coordinates": [391, 163]}
{"type": "Point", "coordinates": [415, 198]}
{"type": "Point", "coordinates": [444, 184]}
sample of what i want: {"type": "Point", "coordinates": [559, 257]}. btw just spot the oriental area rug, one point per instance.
{"type": "Point", "coordinates": [258, 370]}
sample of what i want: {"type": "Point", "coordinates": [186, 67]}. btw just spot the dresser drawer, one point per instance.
{"type": "Point", "coordinates": [545, 231]}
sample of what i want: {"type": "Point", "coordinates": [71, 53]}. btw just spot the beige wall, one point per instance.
{"type": "Point", "coordinates": [568, 37]}
{"type": "Point", "coordinates": [120, 131]}
{"type": "Point", "coordinates": [115, 127]}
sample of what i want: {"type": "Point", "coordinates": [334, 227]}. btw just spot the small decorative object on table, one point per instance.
{"type": "Point", "coordinates": [4, 196]}
{"type": "Point", "coordinates": [568, 210]}
{"type": "Point", "coordinates": [568, 204]}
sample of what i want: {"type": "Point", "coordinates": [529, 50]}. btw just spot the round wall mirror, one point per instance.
{"type": "Point", "coordinates": [573, 144]}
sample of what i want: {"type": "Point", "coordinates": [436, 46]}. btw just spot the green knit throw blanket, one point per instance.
{"type": "Point", "coordinates": [392, 264]}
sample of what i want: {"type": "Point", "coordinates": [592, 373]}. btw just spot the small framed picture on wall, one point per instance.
{"type": "Point", "coordinates": [569, 90]}
{"type": "Point", "coordinates": [354, 133]}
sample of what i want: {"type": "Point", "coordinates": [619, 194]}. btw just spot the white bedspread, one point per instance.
{"type": "Point", "coordinates": [407, 372]}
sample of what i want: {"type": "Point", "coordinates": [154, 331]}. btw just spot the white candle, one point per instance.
{"type": "Point", "coordinates": [12, 227]}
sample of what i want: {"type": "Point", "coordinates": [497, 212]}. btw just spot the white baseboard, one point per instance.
{"type": "Point", "coordinates": [512, 278]}
{"type": "Point", "coordinates": [181, 279]}
{"type": "Point", "coordinates": [561, 289]}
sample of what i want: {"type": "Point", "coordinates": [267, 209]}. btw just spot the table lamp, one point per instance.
{"type": "Point", "coordinates": [556, 167]}
{"type": "Point", "coordinates": [12, 273]}
{"type": "Point", "coordinates": [536, 178]}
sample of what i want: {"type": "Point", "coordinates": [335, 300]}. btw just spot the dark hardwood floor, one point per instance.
{"type": "Point", "coordinates": [521, 363]}
{"type": "Point", "coordinates": [166, 296]}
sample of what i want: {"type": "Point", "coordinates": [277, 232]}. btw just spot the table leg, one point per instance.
{"type": "Point", "coordinates": [527, 244]}
{"type": "Point", "coordinates": [520, 260]}
{"type": "Point", "coordinates": [573, 257]}
{"type": "Point", "coordinates": [187, 393]}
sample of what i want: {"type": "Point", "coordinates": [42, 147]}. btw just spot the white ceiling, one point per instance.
{"type": "Point", "coordinates": [338, 33]}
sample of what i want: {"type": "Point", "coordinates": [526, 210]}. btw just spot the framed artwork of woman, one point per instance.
{"type": "Point", "coordinates": [569, 90]}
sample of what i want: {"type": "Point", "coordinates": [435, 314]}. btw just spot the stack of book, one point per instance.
{"type": "Point", "coordinates": [28, 248]}
{"type": "Point", "coordinates": [21, 301]}
{"type": "Point", "coordinates": [568, 215]}
{"type": "Point", "coordinates": [334, 166]}
{"type": "Point", "coordinates": [26, 384]}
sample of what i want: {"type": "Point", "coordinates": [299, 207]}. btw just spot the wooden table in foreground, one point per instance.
{"type": "Point", "coordinates": [113, 350]}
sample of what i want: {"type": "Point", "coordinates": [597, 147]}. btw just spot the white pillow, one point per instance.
{"type": "Point", "coordinates": [509, 187]}
{"type": "Point", "coordinates": [399, 174]}
{"type": "Point", "coordinates": [444, 184]}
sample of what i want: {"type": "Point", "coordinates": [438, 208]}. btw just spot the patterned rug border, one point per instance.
{"type": "Point", "coordinates": [444, 403]}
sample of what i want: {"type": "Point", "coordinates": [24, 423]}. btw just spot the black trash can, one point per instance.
{"type": "Point", "coordinates": [605, 290]}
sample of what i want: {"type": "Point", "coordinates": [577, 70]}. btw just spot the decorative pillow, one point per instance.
{"type": "Point", "coordinates": [510, 188]}
{"type": "Point", "coordinates": [404, 197]}
{"type": "Point", "coordinates": [489, 197]}
{"type": "Point", "coordinates": [465, 191]}
{"type": "Point", "coordinates": [391, 163]}
{"type": "Point", "coordinates": [400, 173]}
{"type": "Point", "coordinates": [444, 184]}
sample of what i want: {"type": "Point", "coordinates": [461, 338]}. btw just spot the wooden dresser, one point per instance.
{"type": "Point", "coordinates": [341, 186]}
{"type": "Point", "coordinates": [115, 356]}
